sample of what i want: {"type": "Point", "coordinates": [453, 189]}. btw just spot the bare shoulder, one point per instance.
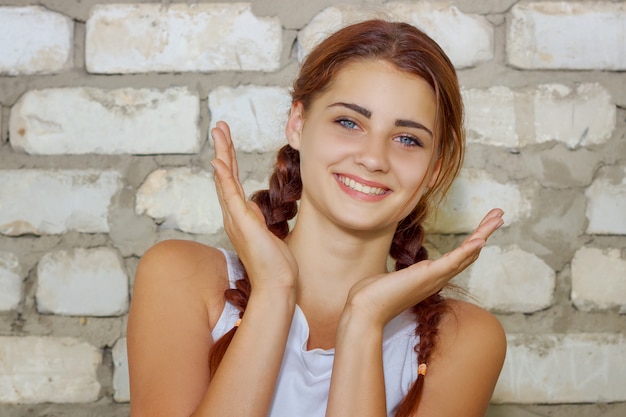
{"type": "Point", "coordinates": [183, 257]}
{"type": "Point", "coordinates": [177, 298]}
{"type": "Point", "coordinates": [468, 327]}
{"type": "Point", "coordinates": [180, 268]}
{"type": "Point", "coordinates": [467, 320]}
{"type": "Point", "coordinates": [465, 364]}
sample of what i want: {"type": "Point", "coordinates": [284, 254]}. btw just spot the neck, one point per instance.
{"type": "Point", "coordinates": [332, 259]}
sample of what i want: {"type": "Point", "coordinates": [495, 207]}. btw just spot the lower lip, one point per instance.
{"type": "Point", "coordinates": [359, 195]}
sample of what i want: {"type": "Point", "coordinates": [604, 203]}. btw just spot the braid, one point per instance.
{"type": "Point", "coordinates": [428, 314]}
{"type": "Point", "coordinates": [278, 205]}
{"type": "Point", "coordinates": [238, 297]}
{"type": "Point", "coordinates": [407, 248]}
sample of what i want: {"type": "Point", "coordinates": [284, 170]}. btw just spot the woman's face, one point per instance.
{"type": "Point", "coordinates": [367, 146]}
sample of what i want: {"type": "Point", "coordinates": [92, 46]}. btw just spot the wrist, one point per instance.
{"type": "Point", "coordinates": [354, 323]}
{"type": "Point", "coordinates": [273, 299]}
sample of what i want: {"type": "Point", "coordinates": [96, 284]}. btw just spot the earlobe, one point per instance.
{"type": "Point", "coordinates": [295, 123]}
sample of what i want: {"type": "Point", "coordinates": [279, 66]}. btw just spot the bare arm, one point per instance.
{"type": "Point", "coordinates": [357, 385]}
{"type": "Point", "coordinates": [168, 335]}
{"type": "Point", "coordinates": [169, 327]}
{"type": "Point", "coordinates": [245, 380]}
{"type": "Point", "coordinates": [169, 339]}
{"type": "Point", "coordinates": [465, 365]}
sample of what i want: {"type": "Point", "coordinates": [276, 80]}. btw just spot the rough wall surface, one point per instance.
{"type": "Point", "coordinates": [105, 112]}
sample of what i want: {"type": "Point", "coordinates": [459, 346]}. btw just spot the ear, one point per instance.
{"type": "Point", "coordinates": [295, 123]}
{"type": "Point", "coordinates": [435, 173]}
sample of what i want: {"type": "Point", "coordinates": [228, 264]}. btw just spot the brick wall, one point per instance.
{"type": "Point", "coordinates": [105, 111]}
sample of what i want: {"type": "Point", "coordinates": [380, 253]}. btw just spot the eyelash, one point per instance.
{"type": "Point", "coordinates": [413, 141]}
{"type": "Point", "coordinates": [343, 121]}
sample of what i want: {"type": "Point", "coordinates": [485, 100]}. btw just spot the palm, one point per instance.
{"type": "Point", "coordinates": [385, 296]}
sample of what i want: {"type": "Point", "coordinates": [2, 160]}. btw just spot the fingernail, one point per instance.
{"type": "Point", "coordinates": [213, 163]}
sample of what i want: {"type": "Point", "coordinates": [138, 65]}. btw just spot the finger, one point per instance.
{"type": "Point", "coordinates": [451, 264]}
{"type": "Point", "coordinates": [225, 151]}
{"type": "Point", "coordinates": [225, 131]}
{"type": "Point", "coordinates": [227, 187]}
{"type": "Point", "coordinates": [489, 224]}
{"type": "Point", "coordinates": [439, 272]}
{"type": "Point", "coordinates": [221, 144]}
{"type": "Point", "coordinates": [493, 213]}
{"type": "Point", "coordinates": [217, 166]}
{"type": "Point", "coordinates": [428, 277]}
{"type": "Point", "coordinates": [470, 248]}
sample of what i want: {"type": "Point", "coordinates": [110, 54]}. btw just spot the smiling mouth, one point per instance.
{"type": "Point", "coordinates": [357, 186]}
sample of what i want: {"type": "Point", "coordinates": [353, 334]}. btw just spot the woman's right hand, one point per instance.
{"type": "Point", "coordinates": [268, 261]}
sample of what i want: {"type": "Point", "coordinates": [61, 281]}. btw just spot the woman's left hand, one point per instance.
{"type": "Point", "coordinates": [382, 297]}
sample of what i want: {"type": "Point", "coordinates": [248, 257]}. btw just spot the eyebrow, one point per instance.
{"type": "Point", "coordinates": [415, 125]}
{"type": "Point", "coordinates": [368, 114]}
{"type": "Point", "coordinates": [361, 110]}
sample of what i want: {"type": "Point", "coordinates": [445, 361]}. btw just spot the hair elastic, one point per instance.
{"type": "Point", "coordinates": [421, 369]}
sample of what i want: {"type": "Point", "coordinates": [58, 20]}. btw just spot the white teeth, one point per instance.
{"type": "Point", "coordinates": [365, 189]}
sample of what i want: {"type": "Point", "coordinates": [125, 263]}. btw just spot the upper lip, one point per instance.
{"type": "Point", "coordinates": [364, 181]}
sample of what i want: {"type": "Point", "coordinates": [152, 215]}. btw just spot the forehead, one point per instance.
{"type": "Point", "coordinates": [377, 82]}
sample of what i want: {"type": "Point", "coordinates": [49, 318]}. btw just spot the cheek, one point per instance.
{"type": "Point", "coordinates": [321, 147]}
{"type": "Point", "coordinates": [411, 204]}
{"type": "Point", "coordinates": [413, 171]}
{"type": "Point", "coordinates": [414, 177]}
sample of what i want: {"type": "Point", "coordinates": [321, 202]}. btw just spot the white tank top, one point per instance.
{"type": "Point", "coordinates": [304, 377]}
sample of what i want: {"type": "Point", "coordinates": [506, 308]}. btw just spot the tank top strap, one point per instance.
{"type": "Point", "coordinates": [234, 266]}
{"type": "Point", "coordinates": [230, 313]}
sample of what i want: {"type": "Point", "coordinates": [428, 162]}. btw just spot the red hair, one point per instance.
{"type": "Point", "coordinates": [409, 50]}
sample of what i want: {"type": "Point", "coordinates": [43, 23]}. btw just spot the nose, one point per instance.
{"type": "Point", "coordinates": [372, 153]}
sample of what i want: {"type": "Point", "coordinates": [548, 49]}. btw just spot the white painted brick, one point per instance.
{"type": "Point", "coordinates": [184, 197]}
{"type": "Point", "coordinates": [567, 35]}
{"type": "Point", "coordinates": [491, 117]}
{"type": "Point", "coordinates": [256, 115]}
{"type": "Point", "coordinates": [598, 279]}
{"type": "Point", "coordinates": [82, 282]}
{"type": "Point", "coordinates": [471, 196]}
{"type": "Point", "coordinates": [121, 383]}
{"type": "Point", "coordinates": [558, 368]}
{"type": "Point", "coordinates": [580, 116]}
{"type": "Point", "coordinates": [470, 43]}
{"type": "Point", "coordinates": [23, 50]}
{"type": "Point", "coordinates": [511, 280]}
{"type": "Point", "coordinates": [178, 37]}
{"type": "Point", "coordinates": [251, 186]}
{"type": "Point", "coordinates": [10, 281]}
{"type": "Point", "coordinates": [74, 200]}
{"type": "Point", "coordinates": [90, 120]}
{"type": "Point", "coordinates": [48, 369]}
{"type": "Point", "coordinates": [606, 205]}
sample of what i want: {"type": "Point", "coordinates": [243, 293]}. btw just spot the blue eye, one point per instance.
{"type": "Point", "coordinates": [409, 141]}
{"type": "Point", "coordinates": [347, 123]}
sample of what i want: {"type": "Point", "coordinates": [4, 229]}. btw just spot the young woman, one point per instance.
{"type": "Point", "coordinates": [309, 321]}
